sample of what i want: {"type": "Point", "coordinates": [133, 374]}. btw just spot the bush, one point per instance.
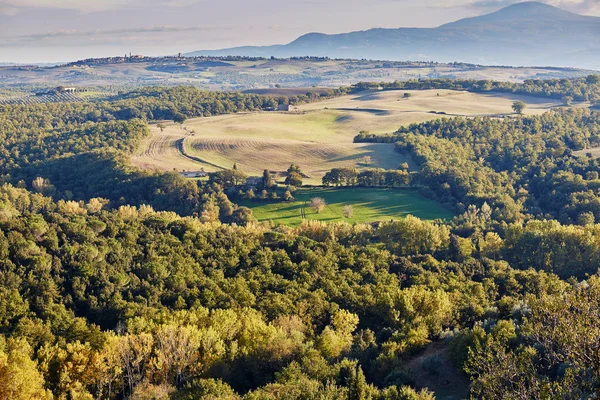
{"type": "Point", "coordinates": [432, 364]}
{"type": "Point", "coordinates": [318, 204]}
{"type": "Point", "coordinates": [348, 211]}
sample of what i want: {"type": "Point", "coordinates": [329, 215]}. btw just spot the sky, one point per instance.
{"type": "Point", "coordinates": [35, 31]}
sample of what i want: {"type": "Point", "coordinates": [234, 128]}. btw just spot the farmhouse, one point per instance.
{"type": "Point", "coordinates": [194, 174]}
{"type": "Point", "coordinates": [63, 89]}
{"type": "Point", "coordinates": [254, 181]}
{"type": "Point", "coordinates": [287, 108]}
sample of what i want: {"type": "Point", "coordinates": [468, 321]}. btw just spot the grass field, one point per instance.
{"type": "Point", "coordinates": [318, 138]}
{"type": "Point", "coordinates": [594, 151]}
{"type": "Point", "coordinates": [369, 205]}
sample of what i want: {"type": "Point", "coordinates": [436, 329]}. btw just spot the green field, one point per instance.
{"type": "Point", "coordinates": [369, 205]}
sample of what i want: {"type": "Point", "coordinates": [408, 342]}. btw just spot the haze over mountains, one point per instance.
{"type": "Point", "coordinates": [528, 33]}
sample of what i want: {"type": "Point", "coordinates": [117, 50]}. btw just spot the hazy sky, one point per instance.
{"type": "Point", "coordinates": [64, 30]}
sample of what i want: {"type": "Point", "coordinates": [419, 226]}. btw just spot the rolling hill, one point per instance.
{"type": "Point", "coordinates": [528, 33]}
{"type": "Point", "coordinates": [319, 137]}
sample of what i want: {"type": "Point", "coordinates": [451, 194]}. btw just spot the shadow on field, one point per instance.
{"type": "Point", "coordinates": [344, 118]}
{"type": "Point", "coordinates": [290, 208]}
{"type": "Point", "coordinates": [369, 96]}
{"type": "Point", "coordinates": [374, 111]}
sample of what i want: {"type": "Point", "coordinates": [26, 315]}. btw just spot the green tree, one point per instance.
{"type": "Point", "coordinates": [287, 196]}
{"type": "Point", "coordinates": [267, 180]}
{"type": "Point", "coordinates": [519, 107]}
{"type": "Point", "coordinates": [294, 179]}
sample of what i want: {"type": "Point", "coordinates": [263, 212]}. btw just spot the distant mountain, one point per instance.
{"type": "Point", "coordinates": [523, 34]}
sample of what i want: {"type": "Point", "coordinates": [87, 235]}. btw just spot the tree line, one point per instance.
{"type": "Point", "coordinates": [375, 177]}
{"type": "Point", "coordinates": [578, 89]}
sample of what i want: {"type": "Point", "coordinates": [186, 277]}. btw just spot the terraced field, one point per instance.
{"type": "Point", "coordinates": [318, 137]}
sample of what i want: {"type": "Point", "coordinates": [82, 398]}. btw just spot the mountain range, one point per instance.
{"type": "Point", "coordinates": [523, 34]}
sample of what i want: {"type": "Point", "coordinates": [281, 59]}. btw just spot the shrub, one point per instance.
{"type": "Point", "coordinates": [318, 204]}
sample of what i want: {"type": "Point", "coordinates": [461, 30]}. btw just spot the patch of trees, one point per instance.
{"type": "Point", "coordinates": [579, 89]}
{"type": "Point", "coordinates": [185, 102]}
{"type": "Point", "coordinates": [238, 185]}
{"type": "Point", "coordinates": [551, 351]}
{"type": "Point", "coordinates": [367, 178]}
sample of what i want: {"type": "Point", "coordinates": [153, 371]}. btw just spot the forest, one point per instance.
{"type": "Point", "coordinates": [120, 283]}
{"type": "Point", "coordinates": [521, 166]}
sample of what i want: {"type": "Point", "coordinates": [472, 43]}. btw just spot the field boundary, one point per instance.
{"type": "Point", "coordinates": [181, 147]}
{"type": "Point", "coordinates": [303, 210]}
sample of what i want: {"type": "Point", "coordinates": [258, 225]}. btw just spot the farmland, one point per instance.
{"type": "Point", "coordinates": [368, 205]}
{"type": "Point", "coordinates": [114, 75]}
{"type": "Point", "coordinates": [32, 99]}
{"type": "Point", "coordinates": [318, 138]}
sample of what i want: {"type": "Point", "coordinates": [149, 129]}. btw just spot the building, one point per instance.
{"type": "Point", "coordinates": [287, 108]}
{"type": "Point", "coordinates": [254, 181]}
{"type": "Point", "coordinates": [63, 89]}
{"type": "Point", "coordinates": [194, 174]}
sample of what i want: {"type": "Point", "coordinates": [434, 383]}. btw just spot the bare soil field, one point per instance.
{"type": "Point", "coordinates": [318, 137]}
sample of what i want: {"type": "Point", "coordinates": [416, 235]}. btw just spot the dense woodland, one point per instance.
{"type": "Point", "coordinates": [519, 166]}
{"type": "Point", "coordinates": [119, 283]}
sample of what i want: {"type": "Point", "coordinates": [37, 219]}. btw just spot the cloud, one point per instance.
{"type": "Point", "coordinates": [88, 6]}
{"type": "Point", "coordinates": [77, 35]}
{"type": "Point", "coordinates": [590, 7]}
{"type": "Point", "coordinates": [578, 6]}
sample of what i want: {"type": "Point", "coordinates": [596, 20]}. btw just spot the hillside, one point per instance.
{"type": "Point", "coordinates": [113, 74]}
{"type": "Point", "coordinates": [319, 137]}
{"type": "Point", "coordinates": [470, 273]}
{"type": "Point", "coordinates": [528, 33]}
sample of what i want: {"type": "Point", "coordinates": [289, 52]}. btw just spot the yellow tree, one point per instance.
{"type": "Point", "coordinates": [337, 337]}
{"type": "Point", "coordinates": [20, 378]}
{"type": "Point", "coordinates": [177, 353]}
{"type": "Point", "coordinates": [135, 352]}
{"type": "Point", "coordinates": [108, 377]}
{"type": "Point", "coordinates": [70, 369]}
